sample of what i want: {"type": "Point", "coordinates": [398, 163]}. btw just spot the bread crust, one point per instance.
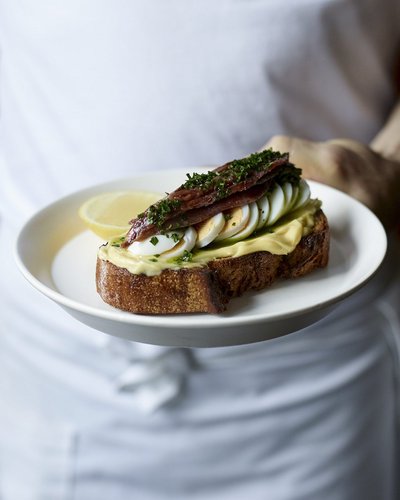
{"type": "Point", "coordinates": [210, 288]}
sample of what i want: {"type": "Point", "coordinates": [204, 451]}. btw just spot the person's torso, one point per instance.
{"type": "Point", "coordinates": [91, 91]}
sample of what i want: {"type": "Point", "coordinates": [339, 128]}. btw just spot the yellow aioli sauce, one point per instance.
{"type": "Point", "coordinates": [281, 239]}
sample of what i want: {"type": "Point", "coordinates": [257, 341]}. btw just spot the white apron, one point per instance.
{"type": "Point", "coordinates": [91, 91]}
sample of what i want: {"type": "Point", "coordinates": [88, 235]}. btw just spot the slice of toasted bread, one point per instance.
{"type": "Point", "coordinates": [209, 288]}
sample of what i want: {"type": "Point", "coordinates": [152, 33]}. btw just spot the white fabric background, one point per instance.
{"type": "Point", "coordinates": [91, 91]}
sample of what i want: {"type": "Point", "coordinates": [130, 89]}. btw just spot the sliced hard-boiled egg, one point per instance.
{"type": "Point", "coordinates": [304, 194]}
{"type": "Point", "coordinates": [186, 243]}
{"type": "Point", "coordinates": [295, 194]}
{"type": "Point", "coordinates": [263, 207]}
{"type": "Point", "coordinates": [208, 230]}
{"type": "Point", "coordinates": [277, 204]}
{"type": "Point", "coordinates": [288, 192]}
{"type": "Point", "coordinates": [156, 244]}
{"type": "Point", "coordinates": [250, 227]}
{"type": "Point", "coordinates": [236, 220]}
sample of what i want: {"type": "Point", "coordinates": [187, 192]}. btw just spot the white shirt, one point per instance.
{"type": "Point", "coordinates": [91, 91]}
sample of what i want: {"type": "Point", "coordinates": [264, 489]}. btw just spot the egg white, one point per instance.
{"type": "Point", "coordinates": [304, 194]}
{"type": "Point", "coordinates": [277, 204]}
{"type": "Point", "coordinates": [155, 244]}
{"type": "Point", "coordinates": [208, 230]}
{"type": "Point", "coordinates": [187, 244]}
{"type": "Point", "coordinates": [250, 227]}
{"type": "Point", "coordinates": [288, 192]}
{"type": "Point", "coordinates": [295, 194]}
{"type": "Point", "coordinates": [263, 207]}
{"type": "Point", "coordinates": [237, 220]}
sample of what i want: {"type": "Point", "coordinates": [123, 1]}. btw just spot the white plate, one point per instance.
{"type": "Point", "coordinates": [57, 256]}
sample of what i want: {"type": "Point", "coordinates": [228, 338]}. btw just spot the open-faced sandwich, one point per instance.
{"type": "Point", "coordinates": [237, 228]}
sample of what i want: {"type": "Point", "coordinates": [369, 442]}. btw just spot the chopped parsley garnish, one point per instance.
{"type": "Point", "coordinates": [153, 260]}
{"type": "Point", "coordinates": [157, 213]}
{"type": "Point", "coordinates": [200, 181]}
{"type": "Point", "coordinates": [256, 162]}
{"type": "Point", "coordinates": [176, 237]}
{"type": "Point", "coordinates": [220, 182]}
{"type": "Point", "coordinates": [237, 171]}
{"type": "Point", "coordinates": [290, 174]}
{"type": "Point", "coordinates": [154, 240]}
{"type": "Point", "coordinates": [118, 242]}
{"type": "Point", "coordinates": [185, 257]}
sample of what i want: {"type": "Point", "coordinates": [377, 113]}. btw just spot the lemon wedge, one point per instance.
{"type": "Point", "coordinates": [108, 214]}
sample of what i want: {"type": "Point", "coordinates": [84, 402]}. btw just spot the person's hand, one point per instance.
{"type": "Point", "coordinates": [351, 167]}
